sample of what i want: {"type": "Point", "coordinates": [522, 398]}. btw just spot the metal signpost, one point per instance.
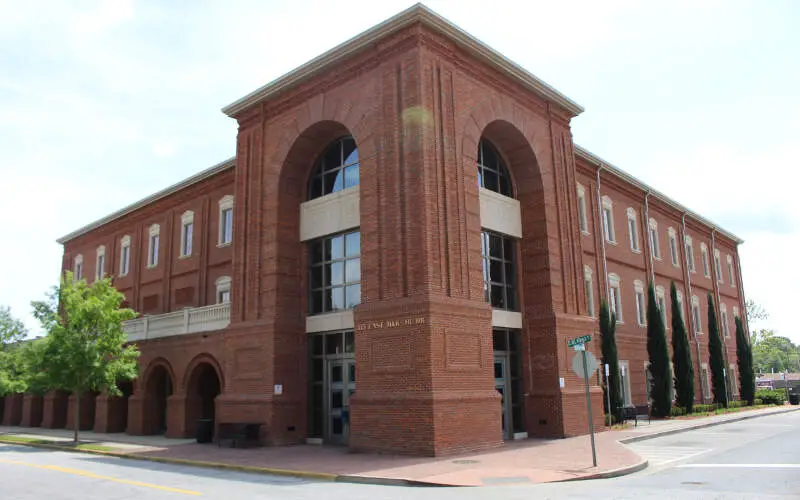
{"type": "Point", "coordinates": [582, 365]}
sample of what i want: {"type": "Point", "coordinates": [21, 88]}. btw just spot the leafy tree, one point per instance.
{"type": "Point", "coordinates": [747, 381]}
{"type": "Point", "coordinates": [660, 373]}
{"type": "Point", "coordinates": [716, 359]}
{"type": "Point", "coordinates": [681, 356]}
{"type": "Point", "coordinates": [608, 326]}
{"type": "Point", "coordinates": [12, 334]}
{"type": "Point", "coordinates": [85, 350]}
{"type": "Point", "coordinates": [33, 359]}
{"type": "Point", "coordinates": [773, 352]}
{"type": "Point", "coordinates": [754, 311]}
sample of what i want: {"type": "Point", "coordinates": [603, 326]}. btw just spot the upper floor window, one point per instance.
{"type": "Point", "coordinates": [680, 306]}
{"type": "Point", "coordinates": [100, 267]}
{"type": "Point", "coordinates": [152, 247]}
{"type": "Point", "coordinates": [704, 258]}
{"type": "Point", "coordinates": [78, 272]}
{"type": "Point", "coordinates": [492, 172]}
{"type": "Point", "coordinates": [730, 269]}
{"type": "Point", "coordinates": [662, 304]}
{"type": "Point", "coordinates": [125, 255]}
{"type": "Point", "coordinates": [584, 223]}
{"type": "Point", "coordinates": [690, 254]}
{"type": "Point", "coordinates": [615, 296]}
{"type": "Point", "coordinates": [673, 247]}
{"type": "Point", "coordinates": [335, 272]}
{"type": "Point", "coordinates": [223, 284]}
{"type": "Point", "coordinates": [587, 281]}
{"type": "Point", "coordinates": [641, 307]}
{"type": "Point", "coordinates": [225, 221]}
{"type": "Point", "coordinates": [717, 265]}
{"type": "Point", "coordinates": [499, 271]}
{"type": "Point", "coordinates": [654, 245]}
{"type": "Point", "coordinates": [735, 312]}
{"type": "Point", "coordinates": [633, 230]}
{"type": "Point", "coordinates": [187, 233]}
{"type": "Point", "coordinates": [698, 326]}
{"type": "Point", "coordinates": [724, 317]}
{"type": "Point", "coordinates": [608, 220]}
{"type": "Point", "coordinates": [335, 169]}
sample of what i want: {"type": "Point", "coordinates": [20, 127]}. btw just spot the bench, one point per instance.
{"type": "Point", "coordinates": [634, 412]}
{"type": "Point", "coordinates": [240, 434]}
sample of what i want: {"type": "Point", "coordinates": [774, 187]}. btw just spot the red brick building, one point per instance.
{"type": "Point", "coordinates": [395, 260]}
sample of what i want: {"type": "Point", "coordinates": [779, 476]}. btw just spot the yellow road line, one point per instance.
{"type": "Point", "coordinates": [92, 475]}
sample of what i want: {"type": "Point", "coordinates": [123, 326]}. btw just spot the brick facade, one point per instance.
{"type": "Point", "coordinates": [417, 100]}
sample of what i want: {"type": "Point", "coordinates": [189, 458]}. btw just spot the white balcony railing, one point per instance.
{"type": "Point", "coordinates": [189, 320]}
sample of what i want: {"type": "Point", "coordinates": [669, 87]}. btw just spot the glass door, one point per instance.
{"type": "Point", "coordinates": [501, 386]}
{"type": "Point", "coordinates": [341, 385]}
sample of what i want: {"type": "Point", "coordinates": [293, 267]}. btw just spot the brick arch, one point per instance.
{"type": "Point", "coordinates": [155, 363]}
{"type": "Point", "coordinates": [191, 370]}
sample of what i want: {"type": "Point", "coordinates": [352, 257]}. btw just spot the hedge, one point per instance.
{"type": "Point", "coordinates": [771, 396]}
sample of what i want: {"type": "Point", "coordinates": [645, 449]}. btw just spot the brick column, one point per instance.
{"type": "Point", "coordinates": [32, 407]}
{"type": "Point", "coordinates": [176, 416]}
{"type": "Point", "coordinates": [110, 414]}
{"type": "Point", "coordinates": [87, 411]}
{"type": "Point", "coordinates": [54, 410]}
{"type": "Point", "coordinates": [12, 413]}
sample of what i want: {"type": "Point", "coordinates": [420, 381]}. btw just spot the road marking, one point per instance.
{"type": "Point", "coordinates": [662, 455]}
{"type": "Point", "coordinates": [92, 475]}
{"type": "Point", "coordinates": [742, 466]}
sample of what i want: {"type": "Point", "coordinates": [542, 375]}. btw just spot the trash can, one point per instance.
{"type": "Point", "coordinates": [794, 398]}
{"type": "Point", "coordinates": [205, 430]}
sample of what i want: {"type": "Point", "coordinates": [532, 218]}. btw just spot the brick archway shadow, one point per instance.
{"type": "Point", "coordinates": [203, 382]}
{"type": "Point", "coordinates": [158, 385]}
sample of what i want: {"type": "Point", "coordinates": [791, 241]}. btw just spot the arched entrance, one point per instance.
{"type": "Point", "coordinates": [121, 411]}
{"type": "Point", "coordinates": [201, 392]}
{"type": "Point", "coordinates": [159, 388]}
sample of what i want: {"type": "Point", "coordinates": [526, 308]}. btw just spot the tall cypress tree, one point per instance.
{"type": "Point", "coordinates": [660, 373]}
{"type": "Point", "coordinates": [747, 381]}
{"type": "Point", "coordinates": [681, 356]}
{"type": "Point", "coordinates": [608, 327]}
{"type": "Point", "coordinates": [716, 360]}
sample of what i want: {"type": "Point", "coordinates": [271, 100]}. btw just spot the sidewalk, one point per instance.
{"type": "Point", "coordinates": [526, 461]}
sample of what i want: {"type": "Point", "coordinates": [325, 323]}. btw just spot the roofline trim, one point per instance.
{"type": "Point", "coordinates": [366, 39]}
{"type": "Point", "coordinates": [604, 165]}
{"type": "Point", "coordinates": [199, 177]}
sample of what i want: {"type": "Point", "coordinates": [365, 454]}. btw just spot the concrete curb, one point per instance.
{"type": "Point", "coordinates": [703, 425]}
{"type": "Point", "coordinates": [622, 471]}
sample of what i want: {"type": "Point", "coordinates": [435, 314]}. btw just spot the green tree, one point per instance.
{"type": "Point", "coordinates": [774, 353]}
{"type": "Point", "coordinates": [608, 326]}
{"type": "Point", "coordinates": [12, 334]}
{"type": "Point", "coordinates": [658, 352]}
{"type": "Point", "coordinates": [681, 355]}
{"type": "Point", "coordinates": [85, 348]}
{"type": "Point", "coordinates": [744, 355]}
{"type": "Point", "coordinates": [716, 358]}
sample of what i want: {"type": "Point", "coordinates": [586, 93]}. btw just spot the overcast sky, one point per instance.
{"type": "Point", "coordinates": [105, 102]}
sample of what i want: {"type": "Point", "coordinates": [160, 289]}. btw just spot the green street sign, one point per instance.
{"type": "Point", "coordinates": [578, 340]}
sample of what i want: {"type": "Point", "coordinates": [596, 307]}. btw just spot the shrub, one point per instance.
{"type": "Point", "coordinates": [677, 411]}
{"type": "Point", "coordinates": [771, 396]}
{"type": "Point", "coordinates": [611, 419]}
{"type": "Point", "coordinates": [737, 403]}
{"type": "Point", "coordinates": [757, 402]}
{"type": "Point", "coordinates": [706, 408]}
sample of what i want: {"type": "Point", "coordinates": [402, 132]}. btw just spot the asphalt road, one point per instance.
{"type": "Point", "coordinates": [758, 458]}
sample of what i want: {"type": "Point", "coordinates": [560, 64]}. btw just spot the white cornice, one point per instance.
{"type": "Point", "coordinates": [416, 14]}
{"type": "Point", "coordinates": [597, 161]}
{"type": "Point", "coordinates": [205, 174]}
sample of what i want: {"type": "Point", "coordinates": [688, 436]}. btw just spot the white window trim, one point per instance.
{"type": "Point", "coordinates": [655, 245]}
{"type": "Point", "coordinates": [100, 270]}
{"type": "Point", "coordinates": [689, 249]}
{"type": "Point", "coordinates": [661, 300]}
{"type": "Point", "coordinates": [680, 307]}
{"type": "Point", "coordinates": [733, 381]}
{"type": "Point", "coordinates": [697, 323]}
{"type": "Point", "coordinates": [124, 243]}
{"type": "Point", "coordinates": [223, 284]}
{"type": "Point", "coordinates": [641, 309]}
{"type": "Point", "coordinates": [673, 247]}
{"type": "Point", "coordinates": [225, 203]}
{"type": "Point", "coordinates": [152, 258]}
{"type": "Point", "coordinates": [77, 268]}
{"type": "Point", "coordinates": [735, 313]}
{"type": "Point", "coordinates": [633, 230]}
{"type": "Point", "coordinates": [583, 220]}
{"type": "Point", "coordinates": [724, 320]}
{"type": "Point", "coordinates": [625, 378]}
{"type": "Point", "coordinates": [589, 283]}
{"type": "Point", "coordinates": [609, 232]}
{"type": "Point", "coordinates": [705, 389]}
{"type": "Point", "coordinates": [615, 298]}
{"type": "Point", "coordinates": [729, 259]}
{"type": "Point", "coordinates": [186, 219]}
{"type": "Point", "coordinates": [717, 265]}
{"type": "Point", "coordinates": [705, 260]}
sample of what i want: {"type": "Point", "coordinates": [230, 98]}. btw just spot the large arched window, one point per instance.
{"type": "Point", "coordinates": [492, 172]}
{"type": "Point", "coordinates": [336, 169]}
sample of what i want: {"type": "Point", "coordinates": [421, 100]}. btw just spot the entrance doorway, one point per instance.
{"type": "Point", "coordinates": [159, 389]}
{"type": "Point", "coordinates": [508, 381]}
{"type": "Point", "coordinates": [332, 382]}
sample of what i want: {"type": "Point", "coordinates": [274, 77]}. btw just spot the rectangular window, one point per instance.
{"type": "Point", "coordinates": [725, 330]}
{"type": "Point", "coordinates": [152, 257]}
{"type": "Point", "coordinates": [226, 226]}
{"type": "Point", "coordinates": [582, 212]}
{"type": "Point", "coordinates": [125, 260]}
{"type": "Point", "coordinates": [654, 242]}
{"type": "Point", "coordinates": [608, 224]}
{"type": "Point", "coordinates": [662, 308]}
{"type": "Point", "coordinates": [101, 267]}
{"type": "Point", "coordinates": [587, 281]}
{"type": "Point", "coordinates": [633, 233]}
{"type": "Point", "coordinates": [640, 308]}
{"type": "Point", "coordinates": [499, 271]}
{"type": "Point", "coordinates": [616, 301]}
{"type": "Point", "coordinates": [704, 257]}
{"type": "Point", "coordinates": [673, 249]}
{"type": "Point", "coordinates": [718, 268]}
{"type": "Point", "coordinates": [706, 387]}
{"type": "Point", "coordinates": [690, 256]}
{"type": "Point", "coordinates": [625, 383]}
{"type": "Point", "coordinates": [224, 296]}
{"type": "Point", "coordinates": [335, 273]}
{"type": "Point", "coordinates": [730, 271]}
{"type": "Point", "coordinates": [680, 307]}
{"type": "Point", "coordinates": [186, 239]}
{"type": "Point", "coordinates": [78, 270]}
{"type": "Point", "coordinates": [696, 318]}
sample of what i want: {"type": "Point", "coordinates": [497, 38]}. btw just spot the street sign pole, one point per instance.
{"type": "Point", "coordinates": [608, 395]}
{"type": "Point", "coordinates": [589, 406]}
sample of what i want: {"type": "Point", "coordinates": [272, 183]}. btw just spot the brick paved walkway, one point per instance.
{"type": "Point", "coordinates": [527, 461]}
